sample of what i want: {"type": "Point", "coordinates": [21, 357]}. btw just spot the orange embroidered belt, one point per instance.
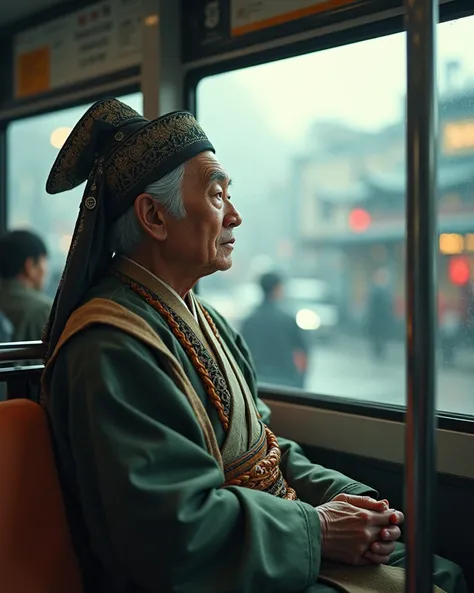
{"type": "Point", "coordinates": [259, 468]}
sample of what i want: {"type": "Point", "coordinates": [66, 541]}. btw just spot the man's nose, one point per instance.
{"type": "Point", "coordinates": [233, 217]}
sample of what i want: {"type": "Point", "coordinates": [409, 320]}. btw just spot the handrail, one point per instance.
{"type": "Point", "coordinates": [421, 143]}
{"type": "Point", "coordinates": [16, 351]}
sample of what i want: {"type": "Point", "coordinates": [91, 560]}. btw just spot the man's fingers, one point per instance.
{"type": "Point", "coordinates": [397, 518]}
{"type": "Point", "coordinates": [363, 502]}
{"type": "Point", "coordinates": [382, 548]}
{"type": "Point", "coordinates": [387, 517]}
{"type": "Point", "coordinates": [390, 533]}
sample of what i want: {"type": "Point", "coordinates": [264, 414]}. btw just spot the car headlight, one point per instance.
{"type": "Point", "coordinates": [308, 320]}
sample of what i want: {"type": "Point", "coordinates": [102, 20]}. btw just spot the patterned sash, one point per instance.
{"type": "Point", "coordinates": [258, 468]}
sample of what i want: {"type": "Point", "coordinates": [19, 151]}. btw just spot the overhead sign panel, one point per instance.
{"type": "Point", "coordinates": [96, 41]}
{"type": "Point", "coordinates": [248, 16]}
{"type": "Point", "coordinates": [213, 27]}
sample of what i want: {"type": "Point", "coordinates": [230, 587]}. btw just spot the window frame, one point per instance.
{"type": "Point", "coordinates": [122, 90]}
{"type": "Point", "coordinates": [369, 29]}
{"type": "Point", "coordinates": [3, 179]}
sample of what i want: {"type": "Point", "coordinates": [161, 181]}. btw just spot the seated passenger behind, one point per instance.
{"type": "Point", "coordinates": [173, 480]}
{"type": "Point", "coordinates": [23, 266]}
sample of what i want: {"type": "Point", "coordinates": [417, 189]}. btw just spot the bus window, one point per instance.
{"type": "Point", "coordinates": [315, 146]}
{"type": "Point", "coordinates": [32, 146]}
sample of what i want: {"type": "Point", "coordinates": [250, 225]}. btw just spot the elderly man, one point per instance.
{"type": "Point", "coordinates": [172, 477]}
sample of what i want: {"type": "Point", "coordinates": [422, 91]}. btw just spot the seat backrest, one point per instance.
{"type": "Point", "coordinates": [36, 552]}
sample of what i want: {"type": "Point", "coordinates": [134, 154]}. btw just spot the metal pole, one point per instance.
{"type": "Point", "coordinates": [422, 238]}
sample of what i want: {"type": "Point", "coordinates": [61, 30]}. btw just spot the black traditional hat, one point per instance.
{"type": "Point", "coordinates": [119, 153]}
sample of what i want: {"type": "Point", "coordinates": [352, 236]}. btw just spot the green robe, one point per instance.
{"type": "Point", "coordinates": [145, 499]}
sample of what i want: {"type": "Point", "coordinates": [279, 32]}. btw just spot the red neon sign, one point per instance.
{"type": "Point", "coordinates": [459, 271]}
{"type": "Point", "coordinates": [359, 220]}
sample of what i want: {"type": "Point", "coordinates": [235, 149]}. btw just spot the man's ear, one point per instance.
{"type": "Point", "coordinates": [28, 267]}
{"type": "Point", "coordinates": [150, 216]}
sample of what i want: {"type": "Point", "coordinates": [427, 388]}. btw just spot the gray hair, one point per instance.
{"type": "Point", "coordinates": [126, 232]}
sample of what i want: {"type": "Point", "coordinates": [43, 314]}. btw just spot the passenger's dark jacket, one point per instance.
{"type": "Point", "coordinates": [6, 328]}
{"type": "Point", "coordinates": [27, 309]}
{"type": "Point", "coordinates": [273, 338]}
{"type": "Point", "coordinates": [379, 313]}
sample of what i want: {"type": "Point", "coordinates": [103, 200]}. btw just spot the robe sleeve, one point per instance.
{"type": "Point", "coordinates": [143, 470]}
{"type": "Point", "coordinates": [314, 483]}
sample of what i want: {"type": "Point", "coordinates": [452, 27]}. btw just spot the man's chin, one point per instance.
{"type": "Point", "coordinates": [222, 264]}
{"type": "Point", "coordinates": [225, 264]}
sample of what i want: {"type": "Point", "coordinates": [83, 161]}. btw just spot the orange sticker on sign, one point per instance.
{"type": "Point", "coordinates": [249, 16]}
{"type": "Point", "coordinates": [33, 72]}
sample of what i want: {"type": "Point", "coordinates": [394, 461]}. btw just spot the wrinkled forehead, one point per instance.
{"type": "Point", "coordinates": [206, 168]}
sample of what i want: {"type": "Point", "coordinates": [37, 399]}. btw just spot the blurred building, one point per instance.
{"type": "Point", "coordinates": [351, 212]}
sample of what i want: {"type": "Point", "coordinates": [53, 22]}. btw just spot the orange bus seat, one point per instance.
{"type": "Point", "coordinates": [36, 551]}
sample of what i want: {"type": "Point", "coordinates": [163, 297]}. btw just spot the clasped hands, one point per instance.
{"type": "Point", "coordinates": [358, 530]}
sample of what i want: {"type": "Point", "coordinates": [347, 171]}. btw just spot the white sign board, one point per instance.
{"type": "Point", "coordinates": [98, 40]}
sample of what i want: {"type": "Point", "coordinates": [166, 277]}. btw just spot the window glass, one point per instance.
{"type": "Point", "coordinates": [315, 148]}
{"type": "Point", "coordinates": [32, 146]}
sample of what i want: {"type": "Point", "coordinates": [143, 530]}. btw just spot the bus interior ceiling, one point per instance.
{"type": "Point", "coordinates": [12, 13]}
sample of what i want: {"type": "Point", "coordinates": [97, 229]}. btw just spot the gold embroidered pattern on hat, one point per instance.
{"type": "Point", "coordinates": [147, 149]}
{"type": "Point", "coordinates": [64, 175]}
{"type": "Point", "coordinates": [135, 159]}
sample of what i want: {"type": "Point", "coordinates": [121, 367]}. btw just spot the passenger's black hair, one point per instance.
{"type": "Point", "coordinates": [268, 283]}
{"type": "Point", "coordinates": [15, 248]}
